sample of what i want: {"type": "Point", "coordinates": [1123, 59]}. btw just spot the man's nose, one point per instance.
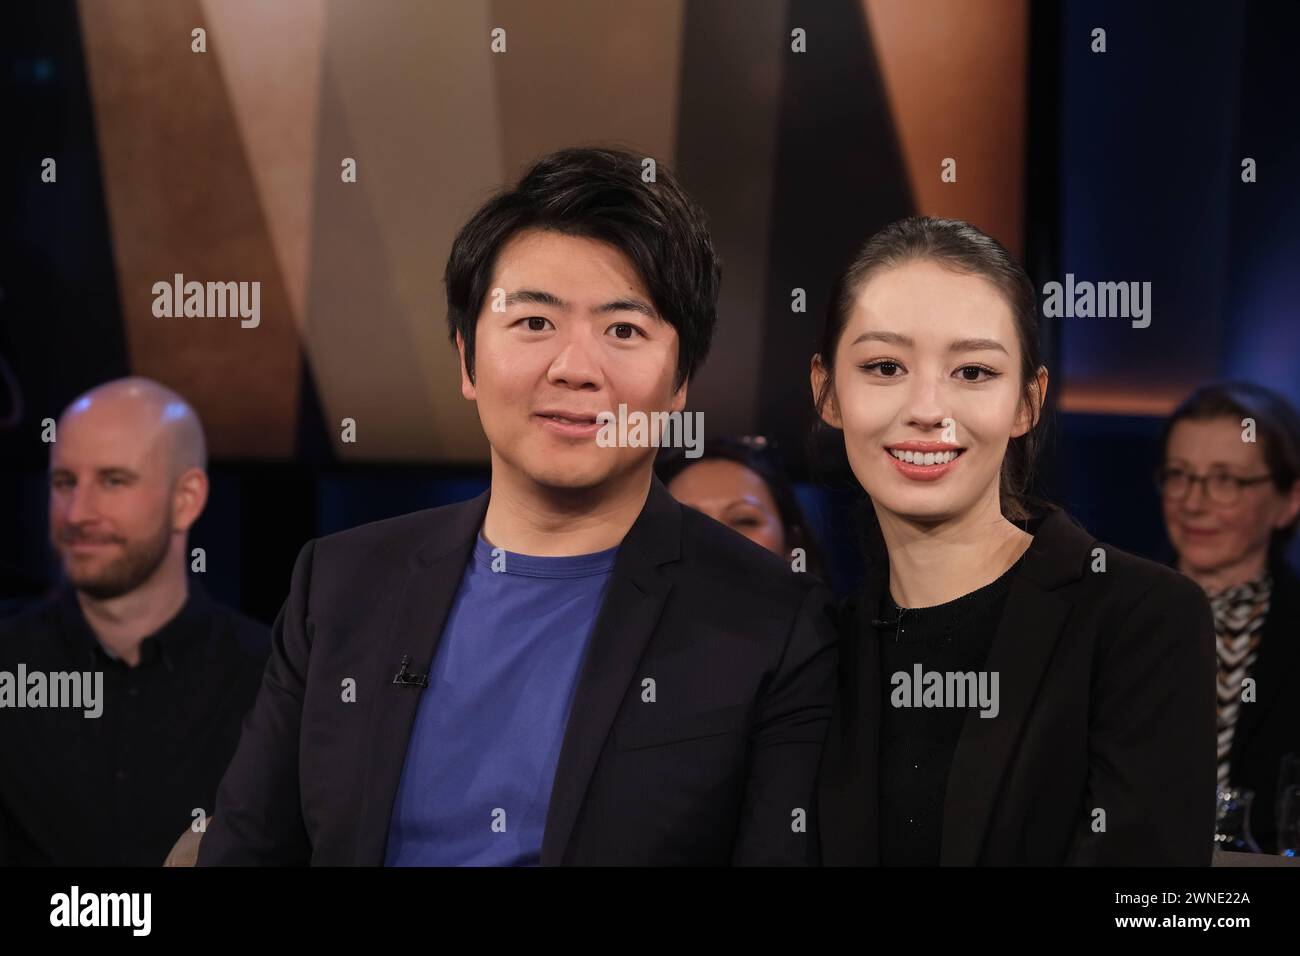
{"type": "Point", "coordinates": [81, 505]}
{"type": "Point", "coordinates": [576, 366]}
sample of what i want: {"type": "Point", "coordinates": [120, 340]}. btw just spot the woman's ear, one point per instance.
{"type": "Point", "coordinates": [1031, 408]}
{"type": "Point", "coordinates": [828, 409]}
{"type": "Point", "coordinates": [1292, 507]}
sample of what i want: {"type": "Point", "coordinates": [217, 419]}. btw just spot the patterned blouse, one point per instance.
{"type": "Point", "coordinates": [1238, 624]}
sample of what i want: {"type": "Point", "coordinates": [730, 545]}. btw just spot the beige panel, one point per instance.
{"type": "Point", "coordinates": [955, 74]}
{"type": "Point", "coordinates": [587, 71]}
{"type": "Point", "coordinates": [407, 90]}
{"type": "Point", "coordinates": [269, 54]}
{"type": "Point", "coordinates": [181, 198]}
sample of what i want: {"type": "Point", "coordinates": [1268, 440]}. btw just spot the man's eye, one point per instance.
{"type": "Point", "coordinates": [536, 323]}
{"type": "Point", "coordinates": [619, 328]}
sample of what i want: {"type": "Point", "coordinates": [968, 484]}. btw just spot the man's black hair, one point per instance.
{"type": "Point", "coordinates": [598, 194]}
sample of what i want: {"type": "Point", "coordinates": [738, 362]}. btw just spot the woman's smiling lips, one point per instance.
{"type": "Point", "coordinates": [942, 458]}
{"type": "Point", "coordinates": [570, 424]}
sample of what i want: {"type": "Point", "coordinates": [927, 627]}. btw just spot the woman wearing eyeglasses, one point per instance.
{"type": "Point", "coordinates": [1012, 691]}
{"type": "Point", "coordinates": [1230, 487]}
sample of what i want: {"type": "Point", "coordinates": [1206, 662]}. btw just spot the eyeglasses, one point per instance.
{"type": "Point", "coordinates": [1220, 487]}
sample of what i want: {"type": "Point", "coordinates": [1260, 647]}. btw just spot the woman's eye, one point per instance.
{"type": "Point", "coordinates": [977, 373]}
{"type": "Point", "coordinates": [885, 367]}
{"type": "Point", "coordinates": [621, 327]}
{"type": "Point", "coordinates": [536, 323]}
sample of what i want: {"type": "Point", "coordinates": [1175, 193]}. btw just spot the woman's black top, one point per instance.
{"type": "Point", "coordinates": [917, 743]}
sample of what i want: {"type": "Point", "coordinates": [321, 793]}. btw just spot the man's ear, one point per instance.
{"type": "Point", "coordinates": [189, 497]}
{"type": "Point", "coordinates": [1031, 409]}
{"type": "Point", "coordinates": [466, 380]}
{"type": "Point", "coordinates": [829, 410]}
{"type": "Point", "coordinates": [679, 397]}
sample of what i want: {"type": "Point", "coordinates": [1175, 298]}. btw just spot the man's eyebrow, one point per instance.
{"type": "Point", "coordinates": [541, 297]}
{"type": "Point", "coordinates": [120, 470]}
{"type": "Point", "coordinates": [960, 345]}
{"type": "Point", "coordinates": [536, 297]}
{"type": "Point", "coordinates": [628, 305]}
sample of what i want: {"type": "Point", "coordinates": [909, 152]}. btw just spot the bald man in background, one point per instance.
{"type": "Point", "coordinates": [176, 672]}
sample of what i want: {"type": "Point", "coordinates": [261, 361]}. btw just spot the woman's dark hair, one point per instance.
{"type": "Point", "coordinates": [598, 194]}
{"type": "Point", "coordinates": [1277, 429]}
{"type": "Point", "coordinates": [758, 455]}
{"type": "Point", "coordinates": [959, 246]}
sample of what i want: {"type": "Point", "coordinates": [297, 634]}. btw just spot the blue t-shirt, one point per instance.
{"type": "Point", "coordinates": [481, 759]}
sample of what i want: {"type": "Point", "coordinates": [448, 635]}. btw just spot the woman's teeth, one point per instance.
{"type": "Point", "coordinates": [924, 458]}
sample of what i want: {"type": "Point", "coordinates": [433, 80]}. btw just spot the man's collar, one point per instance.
{"type": "Point", "coordinates": [653, 539]}
{"type": "Point", "coordinates": [167, 645]}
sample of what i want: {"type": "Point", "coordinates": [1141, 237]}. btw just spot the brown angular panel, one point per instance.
{"type": "Point", "coordinates": [406, 91]}
{"type": "Point", "coordinates": [954, 71]}
{"type": "Point", "coordinates": [270, 57]}
{"type": "Point", "coordinates": [586, 71]}
{"type": "Point", "coordinates": [181, 199]}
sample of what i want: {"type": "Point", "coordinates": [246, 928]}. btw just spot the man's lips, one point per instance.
{"type": "Point", "coordinates": [83, 546]}
{"type": "Point", "coordinates": [570, 424]}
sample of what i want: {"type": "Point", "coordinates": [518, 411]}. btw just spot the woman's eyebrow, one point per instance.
{"type": "Point", "coordinates": [893, 338]}
{"type": "Point", "coordinates": [960, 345]}
{"type": "Point", "coordinates": [977, 345]}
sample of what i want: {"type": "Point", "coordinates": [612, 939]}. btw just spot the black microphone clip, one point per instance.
{"type": "Point", "coordinates": [406, 678]}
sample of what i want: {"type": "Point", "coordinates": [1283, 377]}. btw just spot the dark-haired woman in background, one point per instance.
{"type": "Point", "coordinates": [740, 482]}
{"type": "Point", "coordinates": [1230, 485]}
{"type": "Point", "coordinates": [1092, 739]}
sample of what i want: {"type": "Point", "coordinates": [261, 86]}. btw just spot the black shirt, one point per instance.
{"type": "Point", "coordinates": [917, 743]}
{"type": "Point", "coordinates": [121, 787]}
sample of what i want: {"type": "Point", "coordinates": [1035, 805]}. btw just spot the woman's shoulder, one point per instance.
{"type": "Point", "coordinates": [1097, 571]}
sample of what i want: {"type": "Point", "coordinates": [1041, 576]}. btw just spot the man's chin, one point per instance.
{"type": "Point", "coordinates": [575, 481]}
{"type": "Point", "coordinates": [99, 587]}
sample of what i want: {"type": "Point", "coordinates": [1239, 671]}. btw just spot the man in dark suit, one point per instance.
{"type": "Point", "coordinates": [570, 668]}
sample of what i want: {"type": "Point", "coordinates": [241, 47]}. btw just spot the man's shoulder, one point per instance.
{"type": "Point", "coordinates": [32, 623]}
{"type": "Point", "coordinates": [395, 539]}
{"type": "Point", "coordinates": [717, 558]}
{"type": "Point", "coordinates": [250, 636]}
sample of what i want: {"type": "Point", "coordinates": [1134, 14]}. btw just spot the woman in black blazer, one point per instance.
{"type": "Point", "coordinates": [1012, 691]}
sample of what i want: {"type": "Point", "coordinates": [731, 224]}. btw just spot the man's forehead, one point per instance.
{"type": "Point", "coordinates": [570, 268]}
{"type": "Point", "coordinates": [104, 441]}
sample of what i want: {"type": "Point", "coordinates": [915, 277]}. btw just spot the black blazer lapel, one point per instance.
{"type": "Point", "coordinates": [628, 616]}
{"type": "Point", "coordinates": [848, 786]}
{"type": "Point", "coordinates": [1031, 624]}
{"type": "Point", "coordinates": [432, 580]}
{"type": "Point", "coordinates": [1279, 658]}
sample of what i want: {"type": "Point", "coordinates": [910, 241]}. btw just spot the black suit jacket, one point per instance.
{"type": "Point", "coordinates": [1107, 702]}
{"type": "Point", "coordinates": [1269, 726]}
{"type": "Point", "coordinates": [719, 769]}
